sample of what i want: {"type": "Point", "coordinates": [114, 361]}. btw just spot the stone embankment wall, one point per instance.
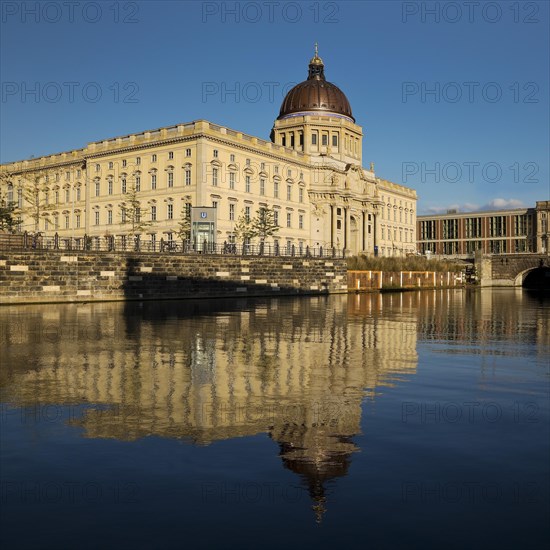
{"type": "Point", "coordinates": [379, 280]}
{"type": "Point", "coordinates": [74, 277]}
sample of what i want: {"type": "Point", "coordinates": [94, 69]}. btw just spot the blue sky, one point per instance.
{"type": "Point", "coordinates": [75, 73]}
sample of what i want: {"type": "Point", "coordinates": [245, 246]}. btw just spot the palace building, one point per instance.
{"type": "Point", "coordinates": [310, 174]}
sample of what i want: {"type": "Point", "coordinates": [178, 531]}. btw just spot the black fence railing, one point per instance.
{"type": "Point", "coordinates": [39, 243]}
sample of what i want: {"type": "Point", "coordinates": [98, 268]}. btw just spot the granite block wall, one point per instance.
{"type": "Point", "coordinates": [55, 276]}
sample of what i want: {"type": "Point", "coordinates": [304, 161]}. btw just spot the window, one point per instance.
{"type": "Point", "coordinates": [289, 173]}
{"type": "Point", "coordinates": [66, 222]}
{"type": "Point", "coordinates": [97, 189]}
{"type": "Point", "coordinates": [276, 189]}
{"type": "Point", "coordinates": [171, 155]}
{"type": "Point", "coordinates": [313, 139]}
{"type": "Point", "coordinates": [138, 160]}
{"type": "Point", "coordinates": [170, 211]}
{"type": "Point", "coordinates": [170, 179]}
{"type": "Point", "coordinates": [215, 177]}
{"type": "Point", "coordinates": [97, 218]}
{"type": "Point", "coordinates": [123, 215]}
{"type": "Point", "coordinates": [450, 229]}
{"type": "Point", "coordinates": [67, 195]}
{"type": "Point", "coordinates": [123, 185]}
{"type": "Point", "coordinates": [301, 194]}
{"type": "Point", "coordinates": [247, 184]}
{"type": "Point", "coordinates": [262, 166]}
{"type": "Point", "coordinates": [276, 217]}
{"type": "Point", "coordinates": [153, 158]}
{"type": "Point", "coordinates": [78, 221]}
{"type": "Point", "coordinates": [276, 169]}
{"type": "Point", "coordinates": [289, 219]}
{"type": "Point", "coordinates": [215, 153]}
{"type": "Point", "coordinates": [110, 187]}
{"type": "Point", "coordinates": [214, 204]}
{"type": "Point", "coordinates": [262, 186]}
{"type": "Point", "coordinates": [497, 226]}
{"type": "Point", "coordinates": [138, 183]}
{"type": "Point", "coordinates": [153, 181]}
{"type": "Point", "coordinates": [247, 213]}
{"type": "Point", "coordinates": [335, 140]}
{"type": "Point", "coordinates": [248, 162]}
{"type": "Point", "coordinates": [109, 217]}
{"type": "Point", "coordinates": [67, 176]}
{"type": "Point", "coordinates": [301, 221]}
{"type": "Point", "coordinates": [232, 211]}
{"type": "Point", "coordinates": [97, 167]}
{"type": "Point", "coordinates": [46, 198]}
{"type": "Point", "coordinates": [188, 152]}
{"type": "Point", "coordinates": [137, 214]}
{"type": "Point", "coordinates": [153, 213]}
{"type": "Point", "coordinates": [57, 197]}
{"type": "Point", "coordinates": [231, 180]}
{"type": "Point", "coordinates": [124, 163]}
{"type": "Point", "coordinates": [78, 193]}
{"type": "Point", "coordinates": [188, 176]}
{"type": "Point", "coordinates": [46, 225]}
{"type": "Point", "coordinates": [324, 138]}
{"type": "Point", "coordinates": [231, 158]}
{"type": "Point", "coordinates": [56, 222]}
{"type": "Point", "coordinates": [289, 192]}
{"type": "Point", "coordinates": [78, 173]}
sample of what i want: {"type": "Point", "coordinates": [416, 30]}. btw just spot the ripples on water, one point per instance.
{"type": "Point", "coordinates": [396, 420]}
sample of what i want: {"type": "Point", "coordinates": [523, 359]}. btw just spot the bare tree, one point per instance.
{"type": "Point", "coordinates": [264, 223]}
{"type": "Point", "coordinates": [244, 229]}
{"type": "Point", "coordinates": [132, 215]}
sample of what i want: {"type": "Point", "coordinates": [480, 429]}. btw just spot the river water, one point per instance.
{"type": "Point", "coordinates": [404, 420]}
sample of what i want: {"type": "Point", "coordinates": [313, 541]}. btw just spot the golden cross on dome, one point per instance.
{"type": "Point", "coordinates": [316, 50]}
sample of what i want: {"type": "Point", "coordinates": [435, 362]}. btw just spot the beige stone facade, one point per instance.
{"type": "Point", "coordinates": [310, 174]}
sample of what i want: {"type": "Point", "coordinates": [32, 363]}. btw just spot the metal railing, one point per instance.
{"type": "Point", "coordinates": [39, 243]}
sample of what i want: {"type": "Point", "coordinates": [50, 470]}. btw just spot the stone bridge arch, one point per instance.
{"type": "Point", "coordinates": [536, 277]}
{"type": "Point", "coordinates": [511, 269]}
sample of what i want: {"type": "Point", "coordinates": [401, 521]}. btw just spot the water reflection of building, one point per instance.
{"type": "Point", "coordinates": [296, 369]}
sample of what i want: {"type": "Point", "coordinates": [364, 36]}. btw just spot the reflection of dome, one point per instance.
{"type": "Point", "coordinates": [317, 467]}
{"type": "Point", "coordinates": [315, 95]}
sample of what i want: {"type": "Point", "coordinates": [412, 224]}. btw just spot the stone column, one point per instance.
{"type": "Point", "coordinates": [376, 229]}
{"type": "Point", "coordinates": [346, 227]}
{"type": "Point", "coordinates": [363, 231]}
{"type": "Point", "coordinates": [333, 226]}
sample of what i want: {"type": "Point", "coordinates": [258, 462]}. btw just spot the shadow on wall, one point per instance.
{"type": "Point", "coordinates": [148, 284]}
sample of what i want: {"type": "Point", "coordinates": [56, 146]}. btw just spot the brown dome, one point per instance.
{"type": "Point", "coordinates": [315, 96]}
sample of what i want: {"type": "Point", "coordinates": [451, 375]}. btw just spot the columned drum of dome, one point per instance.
{"type": "Point", "coordinates": [316, 96]}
